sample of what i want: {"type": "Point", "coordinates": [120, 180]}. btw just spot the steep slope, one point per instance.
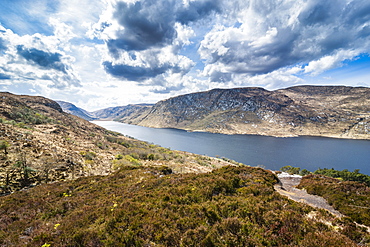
{"type": "Point", "coordinates": [331, 111]}
{"type": "Point", "coordinates": [72, 109]}
{"type": "Point", "coordinates": [39, 143]}
{"type": "Point", "coordinates": [134, 112]}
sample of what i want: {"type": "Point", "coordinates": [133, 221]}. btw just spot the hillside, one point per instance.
{"type": "Point", "coordinates": [39, 143]}
{"type": "Point", "coordinates": [232, 206]}
{"type": "Point", "coordinates": [331, 111]}
{"type": "Point", "coordinates": [134, 112]}
{"type": "Point", "coordinates": [72, 109]}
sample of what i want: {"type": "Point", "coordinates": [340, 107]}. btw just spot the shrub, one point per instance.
{"type": "Point", "coordinates": [4, 146]}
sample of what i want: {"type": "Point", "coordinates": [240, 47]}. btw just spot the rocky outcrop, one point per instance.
{"type": "Point", "coordinates": [332, 111]}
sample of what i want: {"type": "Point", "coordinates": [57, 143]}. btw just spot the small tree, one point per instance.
{"type": "Point", "coordinates": [290, 169]}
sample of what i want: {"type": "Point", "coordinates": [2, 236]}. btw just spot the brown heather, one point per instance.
{"type": "Point", "coordinates": [138, 206]}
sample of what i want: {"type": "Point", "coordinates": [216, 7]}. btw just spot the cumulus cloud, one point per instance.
{"type": "Point", "coordinates": [44, 60]}
{"type": "Point", "coordinates": [275, 34]}
{"type": "Point", "coordinates": [36, 58]}
{"type": "Point", "coordinates": [237, 39]}
{"type": "Point", "coordinates": [144, 38]}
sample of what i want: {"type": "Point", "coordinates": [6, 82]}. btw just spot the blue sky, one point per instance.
{"type": "Point", "coordinates": [102, 53]}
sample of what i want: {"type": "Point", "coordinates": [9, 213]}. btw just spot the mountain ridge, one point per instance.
{"type": "Point", "coordinates": [328, 111]}
{"type": "Point", "coordinates": [79, 112]}
{"type": "Point", "coordinates": [301, 110]}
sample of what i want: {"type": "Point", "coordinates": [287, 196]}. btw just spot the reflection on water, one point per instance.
{"type": "Point", "coordinates": [269, 152]}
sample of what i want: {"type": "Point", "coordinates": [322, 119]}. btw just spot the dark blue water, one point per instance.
{"type": "Point", "coordinates": [272, 153]}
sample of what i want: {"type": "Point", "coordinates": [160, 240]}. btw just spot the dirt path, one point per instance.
{"type": "Point", "coordinates": [288, 188]}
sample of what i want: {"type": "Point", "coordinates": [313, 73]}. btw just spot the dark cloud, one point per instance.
{"type": "Point", "coordinates": [146, 24]}
{"type": "Point", "coordinates": [241, 58]}
{"type": "Point", "coordinates": [2, 45]}
{"type": "Point", "coordinates": [4, 76]}
{"type": "Point", "coordinates": [151, 24]}
{"type": "Point", "coordinates": [197, 10]}
{"type": "Point", "coordinates": [133, 73]}
{"type": "Point", "coordinates": [316, 13]}
{"type": "Point", "coordinates": [357, 13]}
{"type": "Point", "coordinates": [44, 59]}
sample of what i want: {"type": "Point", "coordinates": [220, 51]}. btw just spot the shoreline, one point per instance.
{"type": "Point", "coordinates": [280, 135]}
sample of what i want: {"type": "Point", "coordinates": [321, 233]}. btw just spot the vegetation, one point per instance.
{"type": "Point", "coordinates": [146, 206]}
{"type": "Point", "coordinates": [344, 175]}
{"type": "Point", "coordinates": [24, 117]}
{"type": "Point", "coordinates": [350, 198]}
{"type": "Point", "coordinates": [4, 145]}
{"type": "Point", "coordinates": [29, 116]}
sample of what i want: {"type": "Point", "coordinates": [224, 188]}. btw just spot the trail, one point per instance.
{"type": "Point", "coordinates": [288, 188]}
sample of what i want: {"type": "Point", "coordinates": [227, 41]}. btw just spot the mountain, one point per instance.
{"type": "Point", "coordinates": [132, 112]}
{"type": "Point", "coordinates": [40, 143]}
{"type": "Point", "coordinates": [122, 112]}
{"type": "Point", "coordinates": [331, 111]}
{"type": "Point", "coordinates": [72, 109]}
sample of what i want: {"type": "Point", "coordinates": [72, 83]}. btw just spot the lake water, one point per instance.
{"type": "Point", "coordinates": [272, 153]}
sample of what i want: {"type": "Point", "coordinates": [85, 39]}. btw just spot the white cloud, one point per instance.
{"type": "Point", "coordinates": [275, 34]}
{"type": "Point", "coordinates": [325, 63]}
{"type": "Point", "coordinates": [36, 57]}
{"type": "Point", "coordinates": [107, 52]}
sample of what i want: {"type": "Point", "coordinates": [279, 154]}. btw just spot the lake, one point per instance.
{"type": "Point", "coordinates": [272, 153]}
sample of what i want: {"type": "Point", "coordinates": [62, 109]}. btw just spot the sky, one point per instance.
{"type": "Point", "coordinates": [102, 53]}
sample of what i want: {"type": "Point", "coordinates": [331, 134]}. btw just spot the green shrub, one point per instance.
{"type": "Point", "coordinates": [4, 145]}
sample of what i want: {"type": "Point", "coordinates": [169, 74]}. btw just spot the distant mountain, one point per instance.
{"type": "Point", "coordinates": [74, 110]}
{"type": "Point", "coordinates": [132, 112]}
{"type": "Point", "coordinates": [129, 112]}
{"type": "Point", "coordinates": [332, 111]}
